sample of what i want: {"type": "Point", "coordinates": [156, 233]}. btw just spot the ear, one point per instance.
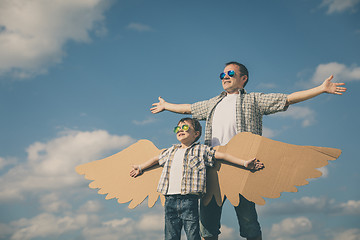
{"type": "Point", "coordinates": [197, 133]}
{"type": "Point", "coordinates": [244, 78]}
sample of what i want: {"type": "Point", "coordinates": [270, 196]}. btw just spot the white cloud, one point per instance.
{"type": "Point", "coordinates": [33, 33]}
{"type": "Point", "coordinates": [296, 206]}
{"type": "Point", "coordinates": [324, 171]}
{"type": "Point", "coordinates": [118, 222]}
{"type": "Point", "coordinates": [148, 120]}
{"type": "Point", "coordinates": [52, 203]}
{"type": "Point", "coordinates": [152, 222]}
{"type": "Point", "coordinates": [305, 114]}
{"type": "Point", "coordinates": [341, 72]}
{"type": "Point", "coordinates": [351, 207]}
{"type": "Point", "coordinates": [139, 27]}
{"type": "Point", "coordinates": [6, 162]}
{"type": "Point", "coordinates": [312, 205]}
{"type": "Point", "coordinates": [269, 133]}
{"type": "Point", "coordinates": [128, 228]}
{"type": "Point", "coordinates": [266, 85]}
{"type": "Point", "coordinates": [312, 202]}
{"type": "Point", "coordinates": [350, 234]}
{"type": "Point", "coordinates": [5, 231]}
{"type": "Point", "coordinates": [291, 226]}
{"type": "Point", "coordinates": [100, 233]}
{"type": "Point", "coordinates": [338, 6]}
{"type": "Point", "coordinates": [50, 226]}
{"type": "Point", "coordinates": [51, 165]}
{"type": "Point", "coordinates": [227, 233]}
{"type": "Point", "coordinates": [91, 206]}
{"type": "Point", "coordinates": [45, 225]}
{"type": "Point", "coordinates": [2, 162]}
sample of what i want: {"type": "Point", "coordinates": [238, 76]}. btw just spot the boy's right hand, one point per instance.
{"type": "Point", "coordinates": [158, 107]}
{"type": "Point", "coordinates": [135, 171]}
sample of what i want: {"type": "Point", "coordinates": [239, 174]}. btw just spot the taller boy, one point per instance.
{"type": "Point", "coordinates": [235, 111]}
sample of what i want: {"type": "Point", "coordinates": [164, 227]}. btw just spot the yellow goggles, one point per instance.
{"type": "Point", "coordinates": [184, 127]}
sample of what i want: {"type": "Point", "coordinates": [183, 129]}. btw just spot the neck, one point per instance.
{"type": "Point", "coordinates": [186, 145]}
{"type": "Point", "coordinates": [236, 91]}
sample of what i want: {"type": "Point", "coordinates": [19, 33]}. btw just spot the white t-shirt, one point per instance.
{"type": "Point", "coordinates": [176, 172]}
{"type": "Point", "coordinates": [224, 121]}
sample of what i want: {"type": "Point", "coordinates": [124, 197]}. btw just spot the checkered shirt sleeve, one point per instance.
{"type": "Point", "coordinates": [270, 103]}
{"type": "Point", "coordinates": [250, 109]}
{"type": "Point", "coordinates": [200, 110]}
{"type": "Point", "coordinates": [165, 159]}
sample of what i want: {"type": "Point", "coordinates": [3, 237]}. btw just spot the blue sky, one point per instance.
{"type": "Point", "coordinates": [77, 80]}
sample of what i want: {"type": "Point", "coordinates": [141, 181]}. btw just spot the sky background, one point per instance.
{"type": "Point", "coordinates": [78, 77]}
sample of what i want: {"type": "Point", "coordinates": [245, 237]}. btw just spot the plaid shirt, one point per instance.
{"type": "Point", "coordinates": [250, 109]}
{"type": "Point", "coordinates": [196, 158]}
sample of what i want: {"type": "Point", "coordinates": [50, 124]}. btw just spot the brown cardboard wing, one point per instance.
{"type": "Point", "coordinates": [111, 175]}
{"type": "Point", "coordinates": [286, 166]}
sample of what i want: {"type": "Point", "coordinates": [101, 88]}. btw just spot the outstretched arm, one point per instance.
{"type": "Point", "coordinates": [138, 169]}
{"type": "Point", "coordinates": [326, 87]}
{"type": "Point", "coordinates": [176, 108]}
{"type": "Point", "coordinates": [253, 164]}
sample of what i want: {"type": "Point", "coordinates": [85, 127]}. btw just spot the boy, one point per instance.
{"type": "Point", "coordinates": [183, 179]}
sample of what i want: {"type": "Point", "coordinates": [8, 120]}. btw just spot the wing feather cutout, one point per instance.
{"type": "Point", "coordinates": [111, 175]}
{"type": "Point", "coordinates": [286, 167]}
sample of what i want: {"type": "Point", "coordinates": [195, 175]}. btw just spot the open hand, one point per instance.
{"type": "Point", "coordinates": [135, 171]}
{"type": "Point", "coordinates": [333, 88]}
{"type": "Point", "coordinates": [254, 164]}
{"type": "Point", "coordinates": [158, 107]}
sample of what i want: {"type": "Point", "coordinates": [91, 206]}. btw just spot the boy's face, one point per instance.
{"type": "Point", "coordinates": [186, 137]}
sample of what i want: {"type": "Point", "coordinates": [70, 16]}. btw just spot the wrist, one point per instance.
{"type": "Point", "coordinates": [166, 105]}
{"type": "Point", "coordinates": [322, 88]}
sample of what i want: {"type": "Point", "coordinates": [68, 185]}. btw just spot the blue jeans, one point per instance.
{"type": "Point", "coordinates": [182, 210]}
{"type": "Point", "coordinates": [246, 214]}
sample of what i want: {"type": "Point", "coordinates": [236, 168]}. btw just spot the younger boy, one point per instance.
{"type": "Point", "coordinates": [183, 179]}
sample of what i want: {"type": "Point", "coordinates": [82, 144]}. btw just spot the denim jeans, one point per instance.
{"type": "Point", "coordinates": [246, 214]}
{"type": "Point", "coordinates": [182, 211]}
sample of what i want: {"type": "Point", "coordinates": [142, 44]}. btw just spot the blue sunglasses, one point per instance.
{"type": "Point", "coordinates": [230, 73]}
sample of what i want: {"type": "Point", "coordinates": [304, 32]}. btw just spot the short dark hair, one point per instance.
{"type": "Point", "coordinates": [242, 69]}
{"type": "Point", "coordinates": [194, 123]}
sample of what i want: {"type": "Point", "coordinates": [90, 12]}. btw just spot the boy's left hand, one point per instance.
{"type": "Point", "coordinates": [254, 164]}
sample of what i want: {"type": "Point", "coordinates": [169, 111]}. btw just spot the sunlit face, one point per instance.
{"type": "Point", "coordinates": [186, 137]}
{"type": "Point", "coordinates": [232, 84]}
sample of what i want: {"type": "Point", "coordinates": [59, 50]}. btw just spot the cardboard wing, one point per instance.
{"type": "Point", "coordinates": [111, 175]}
{"type": "Point", "coordinates": [286, 166]}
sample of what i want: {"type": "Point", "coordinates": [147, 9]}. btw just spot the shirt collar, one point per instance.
{"type": "Point", "coordinates": [178, 145]}
{"type": "Point", "coordinates": [241, 91]}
